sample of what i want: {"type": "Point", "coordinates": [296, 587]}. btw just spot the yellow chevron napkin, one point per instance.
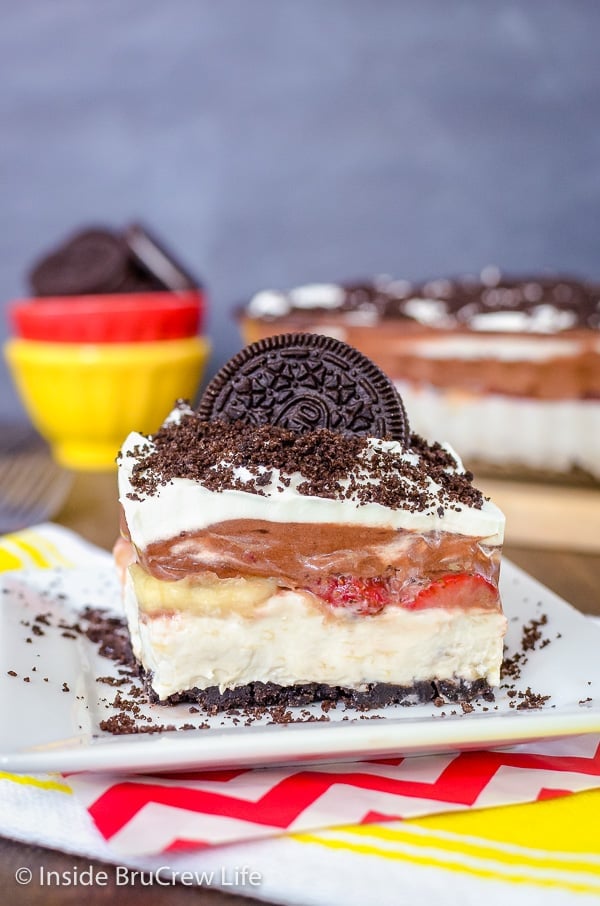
{"type": "Point", "coordinates": [47, 546]}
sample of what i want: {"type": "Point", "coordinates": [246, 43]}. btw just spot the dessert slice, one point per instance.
{"type": "Point", "coordinates": [292, 541]}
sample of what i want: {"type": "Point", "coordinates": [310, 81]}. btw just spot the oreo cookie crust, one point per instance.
{"type": "Point", "coordinates": [373, 695]}
{"type": "Point", "coordinates": [303, 382]}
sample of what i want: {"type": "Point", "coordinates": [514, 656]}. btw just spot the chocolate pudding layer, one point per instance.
{"type": "Point", "coordinates": [298, 553]}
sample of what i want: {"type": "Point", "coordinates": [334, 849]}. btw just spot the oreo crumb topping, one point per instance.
{"type": "Point", "coordinates": [232, 456]}
{"type": "Point", "coordinates": [458, 301]}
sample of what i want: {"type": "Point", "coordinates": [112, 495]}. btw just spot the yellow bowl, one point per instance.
{"type": "Point", "coordinates": [85, 398]}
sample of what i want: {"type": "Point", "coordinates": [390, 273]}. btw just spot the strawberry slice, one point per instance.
{"type": "Point", "coordinates": [457, 590]}
{"type": "Point", "coordinates": [362, 596]}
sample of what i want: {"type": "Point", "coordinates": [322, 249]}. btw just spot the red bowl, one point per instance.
{"type": "Point", "coordinates": [121, 318]}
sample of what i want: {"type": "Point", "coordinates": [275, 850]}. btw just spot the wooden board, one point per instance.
{"type": "Point", "coordinates": [547, 515]}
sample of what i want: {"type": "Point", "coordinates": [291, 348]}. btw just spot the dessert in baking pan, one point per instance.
{"type": "Point", "coordinates": [507, 370]}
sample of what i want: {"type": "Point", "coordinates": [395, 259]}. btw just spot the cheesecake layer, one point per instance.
{"type": "Point", "coordinates": [288, 641]}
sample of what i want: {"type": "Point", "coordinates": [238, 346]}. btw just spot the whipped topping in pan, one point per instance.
{"type": "Point", "coordinates": [538, 319]}
{"type": "Point", "coordinates": [193, 474]}
{"type": "Point", "coordinates": [553, 434]}
{"type": "Point", "coordinates": [467, 347]}
{"type": "Point", "coordinates": [326, 295]}
{"type": "Point", "coordinates": [488, 303]}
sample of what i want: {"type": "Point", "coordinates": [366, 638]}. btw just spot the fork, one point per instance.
{"type": "Point", "coordinates": [32, 486]}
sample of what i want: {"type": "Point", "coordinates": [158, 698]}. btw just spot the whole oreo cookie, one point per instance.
{"type": "Point", "coordinates": [157, 262]}
{"type": "Point", "coordinates": [94, 261]}
{"type": "Point", "coordinates": [303, 382]}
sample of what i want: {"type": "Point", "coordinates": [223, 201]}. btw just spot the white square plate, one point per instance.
{"type": "Point", "coordinates": [51, 721]}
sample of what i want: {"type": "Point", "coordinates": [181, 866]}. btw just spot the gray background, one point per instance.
{"type": "Point", "coordinates": [273, 142]}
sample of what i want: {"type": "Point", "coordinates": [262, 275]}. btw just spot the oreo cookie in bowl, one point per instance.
{"type": "Point", "coordinates": [301, 536]}
{"type": "Point", "coordinates": [105, 286]}
{"type": "Point", "coordinates": [506, 369]}
{"type": "Point", "coordinates": [110, 310]}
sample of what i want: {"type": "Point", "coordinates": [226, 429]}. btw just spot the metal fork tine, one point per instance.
{"type": "Point", "coordinates": [16, 481]}
{"type": "Point", "coordinates": [32, 488]}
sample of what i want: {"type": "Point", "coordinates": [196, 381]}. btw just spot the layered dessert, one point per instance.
{"type": "Point", "coordinates": [291, 540]}
{"type": "Point", "coordinates": [507, 370]}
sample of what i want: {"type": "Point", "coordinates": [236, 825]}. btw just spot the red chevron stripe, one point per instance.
{"type": "Point", "coordinates": [277, 808]}
{"type": "Point", "coordinates": [378, 818]}
{"type": "Point", "coordinates": [181, 845]}
{"type": "Point", "coordinates": [214, 776]}
{"type": "Point", "coordinates": [551, 794]}
{"type": "Point", "coordinates": [460, 783]}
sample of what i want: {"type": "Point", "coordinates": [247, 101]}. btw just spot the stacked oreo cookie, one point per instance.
{"type": "Point", "coordinates": [98, 261]}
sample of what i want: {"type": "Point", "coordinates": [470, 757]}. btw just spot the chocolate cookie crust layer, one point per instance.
{"type": "Point", "coordinates": [374, 695]}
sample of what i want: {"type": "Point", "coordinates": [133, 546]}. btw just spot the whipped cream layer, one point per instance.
{"type": "Point", "coordinates": [287, 641]}
{"type": "Point", "coordinates": [183, 505]}
{"type": "Point", "coordinates": [505, 349]}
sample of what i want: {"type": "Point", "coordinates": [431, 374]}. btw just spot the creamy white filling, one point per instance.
{"type": "Point", "coordinates": [539, 319]}
{"type": "Point", "coordinates": [430, 312]}
{"type": "Point", "coordinates": [317, 295]}
{"type": "Point", "coordinates": [184, 505]}
{"type": "Point", "coordinates": [504, 430]}
{"type": "Point", "coordinates": [503, 349]}
{"type": "Point", "coordinates": [268, 304]}
{"type": "Point", "coordinates": [288, 642]}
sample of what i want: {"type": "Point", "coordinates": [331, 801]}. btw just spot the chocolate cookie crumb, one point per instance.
{"type": "Point", "coordinates": [330, 465]}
